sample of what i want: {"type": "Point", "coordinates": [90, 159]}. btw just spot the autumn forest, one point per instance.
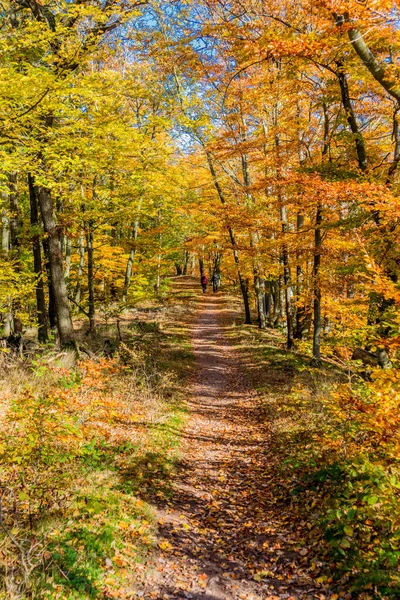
{"type": "Point", "coordinates": [200, 299]}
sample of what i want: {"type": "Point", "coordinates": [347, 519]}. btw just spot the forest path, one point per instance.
{"type": "Point", "coordinates": [219, 536]}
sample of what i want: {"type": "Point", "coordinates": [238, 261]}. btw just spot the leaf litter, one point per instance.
{"type": "Point", "coordinates": [225, 533]}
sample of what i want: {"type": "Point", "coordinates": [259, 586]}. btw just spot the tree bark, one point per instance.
{"type": "Point", "coordinates": [52, 312]}
{"type": "Point", "coordinates": [300, 306]}
{"type": "Point", "coordinates": [268, 302]}
{"type": "Point", "coordinates": [351, 119]}
{"type": "Point", "coordinates": [78, 288]}
{"type": "Point", "coordinates": [159, 259]}
{"type": "Point", "coordinates": [5, 232]}
{"type": "Point", "coordinates": [67, 269]}
{"type": "Point", "coordinates": [396, 154]}
{"type": "Point", "coordinates": [186, 263]}
{"type": "Point", "coordinates": [128, 272]}
{"type": "Point", "coordinates": [317, 289]}
{"type": "Point", "coordinates": [37, 264]}
{"type": "Point", "coordinates": [5, 246]}
{"type": "Point", "coordinates": [285, 229]}
{"type": "Point", "coordinates": [90, 279]}
{"type": "Point", "coordinates": [259, 286]}
{"type": "Point", "coordinates": [377, 69]}
{"type": "Point", "coordinates": [64, 321]}
{"type": "Point", "coordinates": [132, 254]}
{"type": "Point", "coordinates": [201, 266]}
{"type": "Point", "coordinates": [286, 278]}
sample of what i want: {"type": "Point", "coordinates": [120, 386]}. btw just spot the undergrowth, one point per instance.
{"type": "Point", "coordinates": [85, 453]}
{"type": "Point", "coordinates": [333, 463]}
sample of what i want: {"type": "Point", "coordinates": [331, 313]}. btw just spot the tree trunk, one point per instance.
{"type": "Point", "coordinates": [243, 284]}
{"type": "Point", "coordinates": [5, 246]}
{"type": "Point", "coordinates": [78, 289]}
{"type": "Point", "coordinates": [276, 296]}
{"type": "Point", "coordinates": [286, 279]}
{"type": "Point", "coordinates": [259, 286]}
{"type": "Point", "coordinates": [90, 279]}
{"type": "Point", "coordinates": [300, 307]}
{"type": "Point", "coordinates": [287, 289]}
{"type": "Point", "coordinates": [317, 289]}
{"type": "Point", "coordinates": [186, 262]}
{"type": "Point", "coordinates": [5, 232]}
{"type": "Point", "coordinates": [37, 264]}
{"type": "Point", "coordinates": [244, 287]}
{"type": "Point", "coordinates": [132, 254]}
{"type": "Point", "coordinates": [160, 242]}
{"type": "Point", "coordinates": [64, 321]}
{"type": "Point", "coordinates": [269, 303]}
{"type": "Point", "coordinates": [67, 269]}
{"type": "Point", "coordinates": [285, 228]}
{"type": "Point", "coordinates": [201, 267]}
{"type": "Point", "coordinates": [351, 119]}
{"type": "Point", "coordinates": [52, 312]}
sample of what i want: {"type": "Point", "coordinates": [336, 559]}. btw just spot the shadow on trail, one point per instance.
{"type": "Point", "coordinates": [218, 514]}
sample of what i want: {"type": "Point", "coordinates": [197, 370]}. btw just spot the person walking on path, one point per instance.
{"type": "Point", "coordinates": [216, 281]}
{"type": "Point", "coordinates": [204, 281]}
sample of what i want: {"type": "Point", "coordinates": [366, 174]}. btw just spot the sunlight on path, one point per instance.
{"type": "Point", "coordinates": [218, 537]}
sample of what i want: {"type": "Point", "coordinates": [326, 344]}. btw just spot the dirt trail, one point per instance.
{"type": "Point", "coordinates": [219, 536]}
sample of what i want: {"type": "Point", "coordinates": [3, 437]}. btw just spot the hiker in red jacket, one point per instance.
{"type": "Point", "coordinates": [204, 281]}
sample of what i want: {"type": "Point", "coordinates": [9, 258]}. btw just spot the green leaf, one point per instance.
{"type": "Point", "coordinates": [372, 500]}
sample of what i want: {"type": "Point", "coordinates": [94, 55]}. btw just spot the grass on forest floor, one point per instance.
{"type": "Point", "coordinates": [333, 467]}
{"type": "Point", "coordinates": [85, 456]}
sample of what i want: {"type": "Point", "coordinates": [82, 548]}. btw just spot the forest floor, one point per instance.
{"type": "Point", "coordinates": [202, 461]}
{"type": "Point", "coordinates": [225, 533]}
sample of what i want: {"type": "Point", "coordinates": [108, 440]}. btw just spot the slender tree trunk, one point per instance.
{"type": "Point", "coordinates": [285, 229]}
{"type": "Point", "coordinates": [11, 243]}
{"type": "Point", "coordinates": [243, 283]}
{"type": "Point", "coordinates": [269, 303]}
{"type": "Point", "coordinates": [158, 280]}
{"type": "Point", "coordinates": [160, 242]}
{"type": "Point", "coordinates": [5, 246]}
{"type": "Point", "coordinates": [300, 307]}
{"type": "Point", "coordinates": [317, 289]}
{"type": "Point", "coordinates": [396, 154]}
{"type": "Point", "coordinates": [326, 146]}
{"type": "Point", "coordinates": [67, 269]}
{"type": "Point", "coordinates": [186, 262]}
{"type": "Point", "coordinates": [259, 286]}
{"type": "Point", "coordinates": [276, 296]}
{"type": "Point", "coordinates": [78, 289]}
{"type": "Point", "coordinates": [132, 254]}
{"type": "Point", "coordinates": [52, 312]}
{"type": "Point", "coordinates": [128, 272]}
{"type": "Point", "coordinates": [286, 280]}
{"type": "Point", "coordinates": [5, 232]}
{"type": "Point", "coordinates": [37, 264]}
{"type": "Point", "coordinates": [244, 287]}
{"type": "Point", "coordinates": [201, 266]}
{"type": "Point", "coordinates": [288, 308]}
{"type": "Point", "coordinates": [64, 321]}
{"type": "Point", "coordinates": [90, 279]}
{"type": "Point", "coordinates": [351, 119]}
